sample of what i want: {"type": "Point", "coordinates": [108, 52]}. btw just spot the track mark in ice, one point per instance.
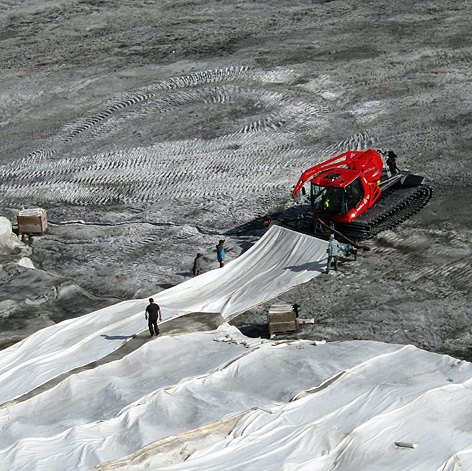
{"type": "Point", "coordinates": [359, 141]}
{"type": "Point", "coordinates": [191, 80]}
{"type": "Point", "coordinates": [420, 64]}
{"type": "Point", "coordinates": [176, 170]}
{"type": "Point", "coordinates": [260, 159]}
{"type": "Point", "coordinates": [456, 273]}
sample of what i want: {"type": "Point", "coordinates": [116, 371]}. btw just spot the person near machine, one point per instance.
{"type": "Point", "coordinates": [333, 251]}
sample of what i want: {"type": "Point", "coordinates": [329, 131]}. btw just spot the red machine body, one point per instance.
{"type": "Point", "coordinates": [345, 186]}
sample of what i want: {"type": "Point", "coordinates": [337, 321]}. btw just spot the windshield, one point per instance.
{"type": "Point", "coordinates": [327, 200]}
{"type": "Point", "coordinates": [336, 201]}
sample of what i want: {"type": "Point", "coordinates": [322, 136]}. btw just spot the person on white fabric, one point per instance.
{"type": "Point", "coordinates": [333, 250]}
{"type": "Point", "coordinates": [152, 311]}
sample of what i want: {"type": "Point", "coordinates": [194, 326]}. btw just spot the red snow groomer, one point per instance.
{"type": "Point", "coordinates": [361, 193]}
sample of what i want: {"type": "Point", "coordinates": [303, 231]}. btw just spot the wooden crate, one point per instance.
{"type": "Point", "coordinates": [32, 221]}
{"type": "Point", "coordinates": [282, 319]}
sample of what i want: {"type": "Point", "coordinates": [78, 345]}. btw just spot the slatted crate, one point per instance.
{"type": "Point", "coordinates": [282, 319]}
{"type": "Point", "coordinates": [32, 221]}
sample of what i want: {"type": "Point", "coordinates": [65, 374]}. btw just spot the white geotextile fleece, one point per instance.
{"type": "Point", "coordinates": [101, 393]}
{"type": "Point", "coordinates": [169, 386]}
{"type": "Point", "coordinates": [280, 260]}
{"type": "Point", "coordinates": [407, 395]}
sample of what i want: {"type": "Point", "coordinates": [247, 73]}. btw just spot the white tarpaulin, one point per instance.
{"type": "Point", "coordinates": [278, 261]}
{"type": "Point", "coordinates": [358, 421]}
{"type": "Point", "coordinates": [302, 407]}
{"type": "Point", "coordinates": [169, 386]}
{"type": "Point", "coordinates": [219, 401]}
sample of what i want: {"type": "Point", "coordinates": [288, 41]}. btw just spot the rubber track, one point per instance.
{"type": "Point", "coordinates": [390, 211]}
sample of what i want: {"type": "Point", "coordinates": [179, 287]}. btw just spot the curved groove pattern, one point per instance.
{"type": "Point", "coordinates": [192, 80]}
{"type": "Point", "coordinates": [248, 160]}
{"type": "Point", "coordinates": [176, 168]}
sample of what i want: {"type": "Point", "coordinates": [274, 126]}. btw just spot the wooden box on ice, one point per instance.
{"type": "Point", "coordinates": [32, 221]}
{"type": "Point", "coordinates": [282, 319]}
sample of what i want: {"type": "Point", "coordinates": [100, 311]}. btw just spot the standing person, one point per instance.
{"type": "Point", "coordinates": [197, 265]}
{"type": "Point", "coordinates": [392, 162]}
{"type": "Point", "coordinates": [152, 310]}
{"type": "Point", "coordinates": [220, 253]}
{"type": "Point", "coordinates": [333, 249]}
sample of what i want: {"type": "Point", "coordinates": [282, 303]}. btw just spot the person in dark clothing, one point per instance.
{"type": "Point", "coordinates": [151, 312]}
{"type": "Point", "coordinates": [197, 265]}
{"type": "Point", "coordinates": [220, 253]}
{"type": "Point", "coordinates": [392, 162]}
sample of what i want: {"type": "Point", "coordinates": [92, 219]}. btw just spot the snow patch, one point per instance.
{"type": "Point", "coordinates": [26, 262]}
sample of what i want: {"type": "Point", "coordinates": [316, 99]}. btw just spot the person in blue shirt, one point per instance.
{"type": "Point", "coordinates": [333, 250]}
{"type": "Point", "coordinates": [220, 253]}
